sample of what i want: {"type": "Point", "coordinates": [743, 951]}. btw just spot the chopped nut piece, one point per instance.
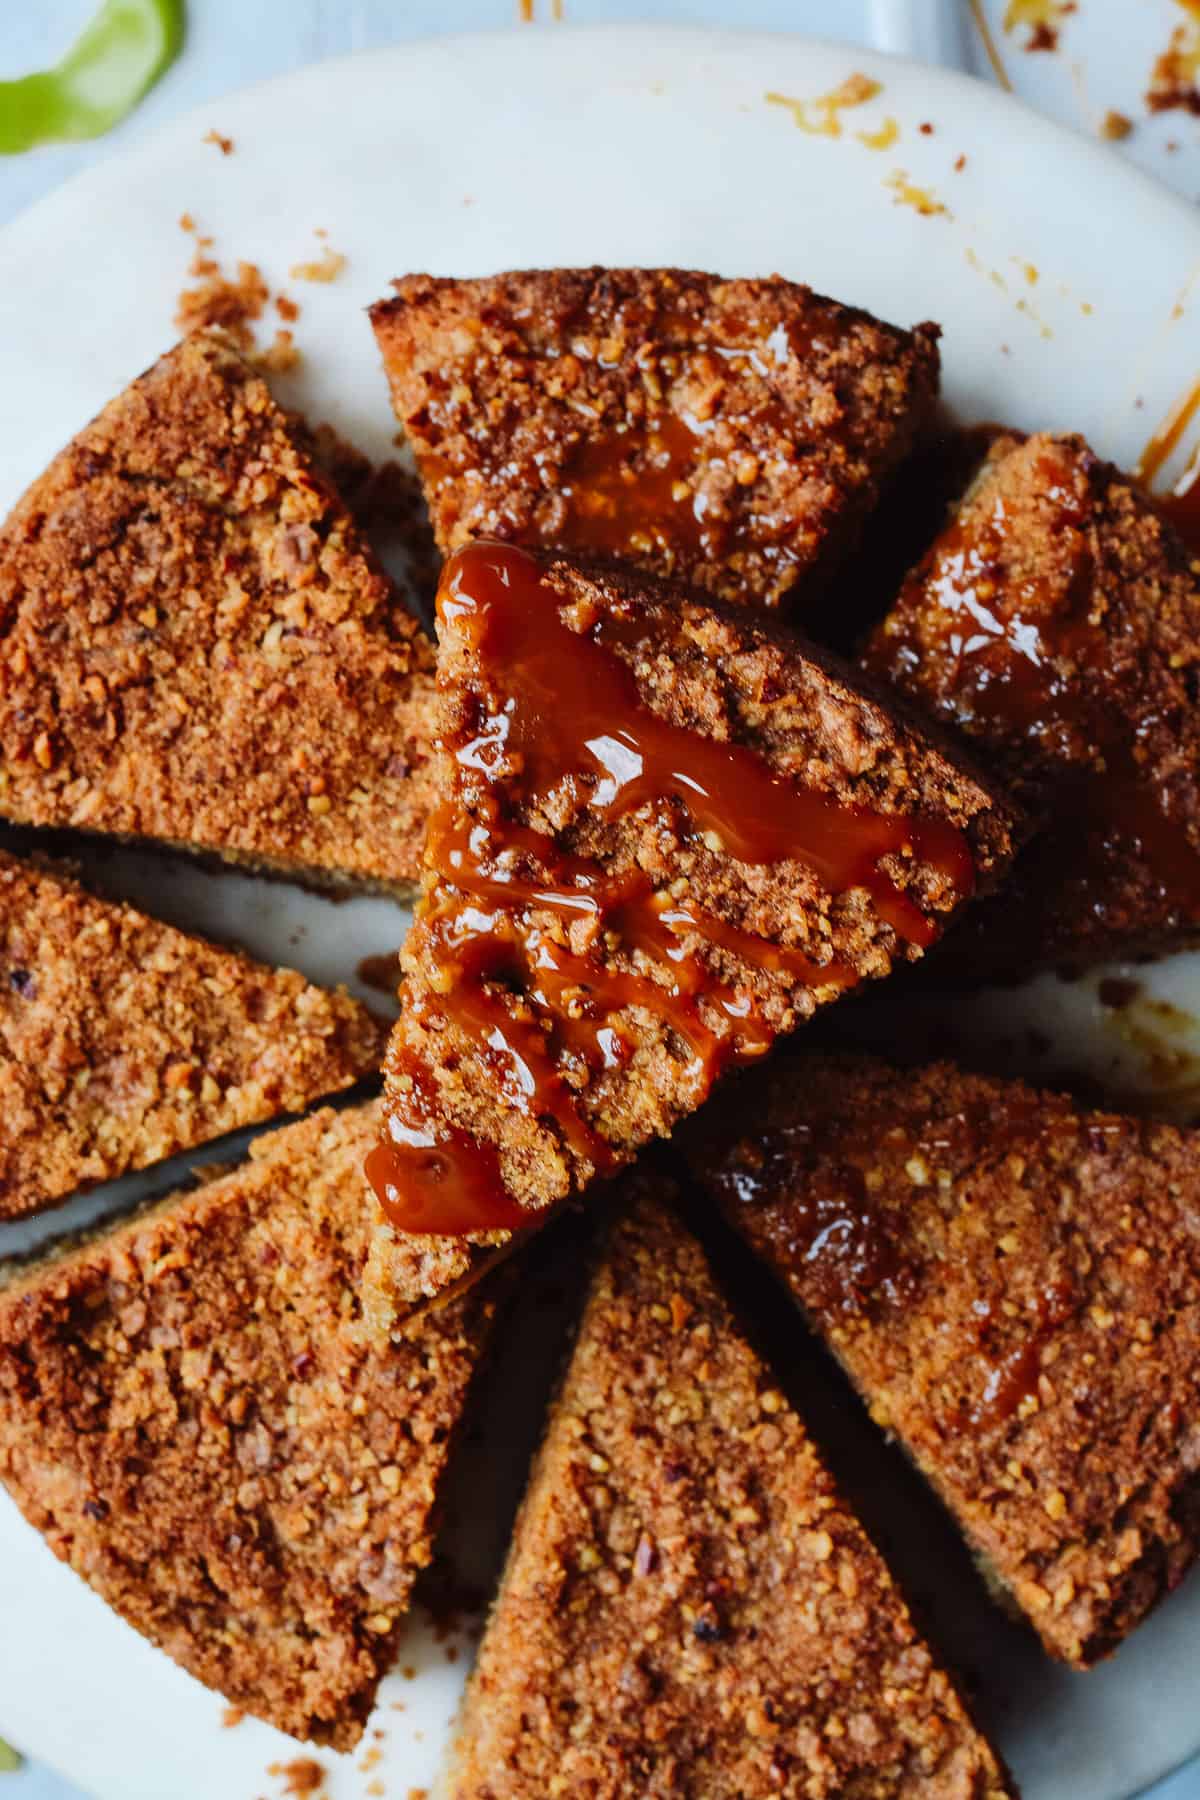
{"type": "Point", "coordinates": [1114, 126]}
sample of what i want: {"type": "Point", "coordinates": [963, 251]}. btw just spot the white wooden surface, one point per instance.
{"type": "Point", "coordinates": [1103, 62]}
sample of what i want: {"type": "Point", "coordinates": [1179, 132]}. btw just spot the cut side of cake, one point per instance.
{"type": "Point", "coordinates": [668, 833]}
{"type": "Point", "coordinates": [1013, 1283]}
{"type": "Point", "coordinates": [198, 647]}
{"type": "Point", "coordinates": [124, 1041]}
{"type": "Point", "coordinates": [1056, 622]}
{"type": "Point", "coordinates": [190, 1415]}
{"type": "Point", "coordinates": [690, 1607]}
{"type": "Point", "coordinates": [734, 434]}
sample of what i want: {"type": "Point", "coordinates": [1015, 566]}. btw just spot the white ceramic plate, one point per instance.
{"type": "Point", "coordinates": [1064, 281]}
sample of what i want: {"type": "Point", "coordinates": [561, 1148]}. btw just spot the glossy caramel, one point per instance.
{"type": "Point", "coordinates": [515, 938]}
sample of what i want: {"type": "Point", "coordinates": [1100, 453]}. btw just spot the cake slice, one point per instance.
{"type": "Point", "coordinates": [192, 1419]}
{"type": "Point", "coordinates": [197, 645]}
{"type": "Point", "coordinates": [1013, 1282]}
{"type": "Point", "coordinates": [668, 832]}
{"type": "Point", "coordinates": [1057, 622]}
{"type": "Point", "coordinates": [690, 1606]}
{"type": "Point", "coordinates": [123, 1041]}
{"type": "Point", "coordinates": [732, 433]}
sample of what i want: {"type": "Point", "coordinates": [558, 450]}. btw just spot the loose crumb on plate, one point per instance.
{"type": "Point", "coordinates": [232, 1715]}
{"type": "Point", "coordinates": [1115, 125]}
{"type": "Point", "coordinates": [218, 300]}
{"type": "Point", "coordinates": [302, 1776]}
{"type": "Point", "coordinates": [327, 267]}
{"type": "Point", "coordinates": [281, 356]}
{"type": "Point", "coordinates": [224, 144]}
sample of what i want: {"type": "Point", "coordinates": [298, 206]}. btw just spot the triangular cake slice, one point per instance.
{"type": "Point", "coordinates": [1013, 1282]}
{"type": "Point", "coordinates": [732, 433]}
{"type": "Point", "coordinates": [687, 1592]}
{"type": "Point", "coordinates": [668, 833]}
{"type": "Point", "coordinates": [124, 1041]}
{"type": "Point", "coordinates": [1057, 622]}
{"type": "Point", "coordinates": [197, 645]}
{"type": "Point", "coordinates": [191, 1417]}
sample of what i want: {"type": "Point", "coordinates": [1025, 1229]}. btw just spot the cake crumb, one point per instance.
{"type": "Point", "coordinates": [327, 267]}
{"type": "Point", "coordinates": [224, 144]}
{"type": "Point", "coordinates": [218, 300]}
{"type": "Point", "coordinates": [232, 1715]}
{"type": "Point", "coordinates": [1115, 125]}
{"type": "Point", "coordinates": [281, 356]}
{"type": "Point", "coordinates": [287, 308]}
{"type": "Point", "coordinates": [303, 1775]}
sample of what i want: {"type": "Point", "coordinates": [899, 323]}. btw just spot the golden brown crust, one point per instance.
{"type": "Point", "coordinates": [1057, 622]}
{"type": "Point", "coordinates": [197, 646]}
{"type": "Point", "coordinates": [730, 675]}
{"type": "Point", "coordinates": [690, 1608]}
{"type": "Point", "coordinates": [123, 1041]}
{"type": "Point", "coordinates": [610, 409]}
{"type": "Point", "coordinates": [190, 1416]}
{"type": "Point", "coordinates": [1014, 1285]}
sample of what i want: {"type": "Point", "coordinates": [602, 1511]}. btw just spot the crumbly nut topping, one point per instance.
{"type": "Point", "coordinates": [1014, 1286]}
{"type": "Point", "coordinates": [196, 640]}
{"type": "Point", "coordinates": [123, 1042]}
{"type": "Point", "coordinates": [732, 433]}
{"type": "Point", "coordinates": [690, 1608]}
{"type": "Point", "coordinates": [191, 1416]}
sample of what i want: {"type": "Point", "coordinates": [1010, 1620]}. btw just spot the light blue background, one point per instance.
{"type": "Point", "coordinates": [234, 42]}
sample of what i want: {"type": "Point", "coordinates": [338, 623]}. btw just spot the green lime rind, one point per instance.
{"type": "Point", "coordinates": [10, 1760]}
{"type": "Point", "coordinates": [120, 54]}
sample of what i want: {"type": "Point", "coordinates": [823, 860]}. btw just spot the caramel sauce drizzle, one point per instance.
{"type": "Point", "coordinates": [633, 491]}
{"type": "Point", "coordinates": [505, 935]}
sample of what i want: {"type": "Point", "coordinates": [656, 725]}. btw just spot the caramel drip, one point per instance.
{"type": "Point", "coordinates": [1167, 439]}
{"type": "Point", "coordinates": [644, 491]}
{"type": "Point", "coordinates": [432, 1178]}
{"type": "Point", "coordinates": [1012, 1377]}
{"type": "Point", "coordinates": [506, 937]}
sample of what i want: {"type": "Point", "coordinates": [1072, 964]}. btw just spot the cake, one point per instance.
{"type": "Point", "coordinates": [1013, 1283]}
{"type": "Point", "coordinates": [197, 646]}
{"type": "Point", "coordinates": [124, 1041]}
{"type": "Point", "coordinates": [690, 1606]}
{"type": "Point", "coordinates": [191, 1417]}
{"type": "Point", "coordinates": [1056, 622]}
{"type": "Point", "coordinates": [668, 832]}
{"type": "Point", "coordinates": [734, 434]}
